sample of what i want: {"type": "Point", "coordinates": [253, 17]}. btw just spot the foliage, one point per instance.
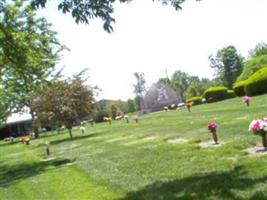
{"type": "Point", "coordinates": [113, 110]}
{"type": "Point", "coordinates": [260, 49]}
{"type": "Point", "coordinates": [251, 66]}
{"type": "Point", "coordinates": [100, 114]}
{"type": "Point", "coordinates": [139, 88]}
{"type": "Point", "coordinates": [187, 85]}
{"type": "Point", "coordinates": [131, 106]}
{"type": "Point", "coordinates": [195, 100]}
{"type": "Point", "coordinates": [83, 12]}
{"type": "Point", "coordinates": [230, 94]}
{"type": "Point", "coordinates": [29, 51]}
{"type": "Point", "coordinates": [4, 105]}
{"type": "Point", "coordinates": [228, 65]}
{"type": "Point", "coordinates": [239, 88]}
{"type": "Point", "coordinates": [215, 94]}
{"type": "Point", "coordinates": [257, 83]}
{"type": "Point", "coordinates": [64, 102]}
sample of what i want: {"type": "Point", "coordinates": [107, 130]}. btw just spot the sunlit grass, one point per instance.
{"type": "Point", "coordinates": [136, 161]}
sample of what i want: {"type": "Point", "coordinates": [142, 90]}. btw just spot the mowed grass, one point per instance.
{"type": "Point", "coordinates": [136, 161]}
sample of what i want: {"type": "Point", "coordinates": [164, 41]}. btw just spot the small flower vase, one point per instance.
{"type": "Point", "coordinates": [264, 141]}
{"type": "Point", "coordinates": [214, 136]}
{"type": "Point", "coordinates": [189, 108]}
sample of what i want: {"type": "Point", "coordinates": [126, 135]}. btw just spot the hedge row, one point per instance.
{"type": "Point", "coordinates": [239, 88]}
{"type": "Point", "coordinates": [257, 83]}
{"type": "Point", "coordinates": [195, 100]}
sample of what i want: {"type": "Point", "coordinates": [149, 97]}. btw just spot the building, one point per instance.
{"type": "Point", "coordinates": [17, 124]}
{"type": "Point", "coordinates": [158, 96]}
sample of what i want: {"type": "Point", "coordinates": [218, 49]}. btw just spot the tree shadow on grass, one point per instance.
{"type": "Point", "coordinates": [214, 185]}
{"type": "Point", "coordinates": [14, 173]}
{"type": "Point", "coordinates": [68, 139]}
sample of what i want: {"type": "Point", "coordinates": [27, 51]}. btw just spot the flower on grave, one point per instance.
{"type": "Point", "coordinates": [212, 126]}
{"type": "Point", "coordinates": [246, 100]}
{"type": "Point", "coordinates": [258, 126]}
{"type": "Point", "coordinates": [136, 118]}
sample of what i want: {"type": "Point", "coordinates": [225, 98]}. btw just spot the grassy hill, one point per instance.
{"type": "Point", "coordinates": [137, 161]}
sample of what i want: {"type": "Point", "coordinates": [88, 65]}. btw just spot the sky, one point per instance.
{"type": "Point", "coordinates": [156, 40]}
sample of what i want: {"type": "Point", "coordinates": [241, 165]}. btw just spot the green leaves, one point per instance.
{"type": "Point", "coordinates": [84, 10]}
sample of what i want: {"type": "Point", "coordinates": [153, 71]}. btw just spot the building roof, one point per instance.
{"type": "Point", "coordinates": [18, 117]}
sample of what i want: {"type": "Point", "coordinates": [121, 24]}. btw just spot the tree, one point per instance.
{"type": "Point", "coordinates": [131, 106]}
{"type": "Point", "coordinates": [139, 88]}
{"type": "Point", "coordinates": [4, 106]}
{"type": "Point", "coordinates": [259, 50]}
{"type": "Point", "coordinates": [180, 82]}
{"type": "Point", "coordinates": [84, 10]}
{"type": "Point", "coordinates": [29, 51]}
{"type": "Point", "coordinates": [228, 65]}
{"type": "Point", "coordinates": [64, 102]}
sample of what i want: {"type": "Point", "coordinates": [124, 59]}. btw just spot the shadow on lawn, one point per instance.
{"type": "Point", "coordinates": [11, 174]}
{"type": "Point", "coordinates": [68, 139]}
{"type": "Point", "coordinates": [215, 185]}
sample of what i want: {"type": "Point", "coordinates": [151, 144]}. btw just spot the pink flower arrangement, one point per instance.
{"type": "Point", "coordinates": [246, 99]}
{"type": "Point", "coordinates": [258, 126]}
{"type": "Point", "coordinates": [212, 126]}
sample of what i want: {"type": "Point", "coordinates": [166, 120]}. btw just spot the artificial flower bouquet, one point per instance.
{"type": "Point", "coordinates": [259, 127]}
{"type": "Point", "coordinates": [212, 127]}
{"type": "Point", "coordinates": [246, 100]}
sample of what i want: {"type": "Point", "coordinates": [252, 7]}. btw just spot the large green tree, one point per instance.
{"type": "Point", "coordinates": [64, 101]}
{"type": "Point", "coordinates": [84, 10]}
{"type": "Point", "coordinates": [29, 51]}
{"type": "Point", "coordinates": [259, 50]}
{"type": "Point", "coordinates": [228, 65]}
{"type": "Point", "coordinates": [139, 88]}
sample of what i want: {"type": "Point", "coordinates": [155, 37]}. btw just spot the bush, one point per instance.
{"type": "Point", "coordinates": [230, 94]}
{"type": "Point", "coordinates": [252, 66]}
{"type": "Point", "coordinates": [215, 94]}
{"type": "Point", "coordinates": [100, 115]}
{"type": "Point", "coordinates": [195, 100]}
{"type": "Point", "coordinates": [239, 88]}
{"type": "Point", "coordinates": [257, 83]}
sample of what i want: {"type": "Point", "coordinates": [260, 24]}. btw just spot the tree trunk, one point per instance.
{"type": "Point", "coordinates": [34, 125]}
{"type": "Point", "coordinates": [70, 132]}
{"type": "Point", "coordinates": [264, 142]}
{"type": "Point", "coordinates": [214, 135]}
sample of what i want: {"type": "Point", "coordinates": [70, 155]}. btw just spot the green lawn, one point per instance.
{"type": "Point", "coordinates": [136, 161]}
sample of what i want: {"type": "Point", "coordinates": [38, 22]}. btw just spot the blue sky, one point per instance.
{"type": "Point", "coordinates": [152, 38]}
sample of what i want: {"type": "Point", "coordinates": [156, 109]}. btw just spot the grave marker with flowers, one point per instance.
{"type": "Point", "coordinates": [246, 100]}
{"type": "Point", "coordinates": [259, 127]}
{"type": "Point", "coordinates": [188, 105]}
{"type": "Point", "coordinates": [212, 127]}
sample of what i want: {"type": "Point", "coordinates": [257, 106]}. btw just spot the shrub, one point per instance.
{"type": "Point", "coordinates": [195, 100]}
{"type": "Point", "coordinates": [100, 114]}
{"type": "Point", "coordinates": [230, 94]}
{"type": "Point", "coordinates": [239, 88]}
{"type": "Point", "coordinates": [215, 94]}
{"type": "Point", "coordinates": [257, 83]}
{"type": "Point", "coordinates": [252, 66]}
